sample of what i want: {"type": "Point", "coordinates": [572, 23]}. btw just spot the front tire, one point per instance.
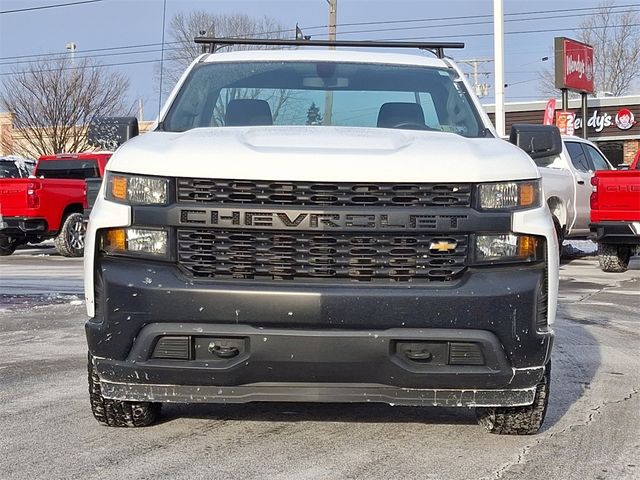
{"type": "Point", "coordinates": [525, 420]}
{"type": "Point", "coordinates": [118, 413]}
{"type": "Point", "coordinates": [613, 258]}
{"type": "Point", "coordinates": [70, 240]}
{"type": "Point", "coordinates": [8, 245]}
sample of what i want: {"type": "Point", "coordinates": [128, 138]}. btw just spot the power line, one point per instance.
{"type": "Point", "coordinates": [466, 17]}
{"type": "Point", "coordinates": [43, 7]}
{"type": "Point", "coordinates": [547, 30]}
{"type": "Point", "coordinates": [386, 39]}
{"type": "Point", "coordinates": [387, 22]}
{"type": "Point", "coordinates": [137, 62]}
{"type": "Point", "coordinates": [81, 57]}
{"type": "Point", "coordinates": [104, 49]}
{"type": "Point", "coordinates": [464, 24]}
{"type": "Point", "coordinates": [49, 55]}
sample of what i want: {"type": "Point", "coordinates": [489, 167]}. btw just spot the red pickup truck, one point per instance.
{"type": "Point", "coordinates": [50, 203]}
{"type": "Point", "coordinates": [615, 216]}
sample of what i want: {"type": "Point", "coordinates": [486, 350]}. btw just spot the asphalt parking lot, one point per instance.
{"type": "Point", "coordinates": [47, 430]}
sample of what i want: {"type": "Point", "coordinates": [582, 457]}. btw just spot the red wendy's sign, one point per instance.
{"type": "Point", "coordinates": [574, 65]}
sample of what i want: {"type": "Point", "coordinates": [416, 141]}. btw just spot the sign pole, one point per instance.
{"type": "Point", "coordinates": [584, 115]}
{"type": "Point", "coordinates": [498, 52]}
{"type": "Point", "coordinates": [565, 99]}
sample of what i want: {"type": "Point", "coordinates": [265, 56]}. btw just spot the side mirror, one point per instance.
{"type": "Point", "coordinates": [537, 140]}
{"type": "Point", "coordinates": [108, 133]}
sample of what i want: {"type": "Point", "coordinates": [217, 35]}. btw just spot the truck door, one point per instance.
{"type": "Point", "coordinates": [583, 171]}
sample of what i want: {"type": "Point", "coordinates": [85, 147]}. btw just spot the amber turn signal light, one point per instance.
{"type": "Point", "coordinates": [119, 187]}
{"type": "Point", "coordinates": [527, 194]}
{"type": "Point", "coordinates": [115, 240]}
{"type": "Point", "coordinates": [527, 246]}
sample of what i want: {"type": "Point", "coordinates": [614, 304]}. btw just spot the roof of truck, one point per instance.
{"type": "Point", "coordinates": [316, 55]}
{"type": "Point", "coordinates": [75, 156]}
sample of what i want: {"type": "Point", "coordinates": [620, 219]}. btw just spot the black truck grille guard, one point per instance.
{"type": "Point", "coordinates": [224, 192]}
{"type": "Point", "coordinates": [345, 256]}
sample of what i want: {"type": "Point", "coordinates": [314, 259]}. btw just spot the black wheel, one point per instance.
{"type": "Point", "coordinates": [613, 258]}
{"type": "Point", "coordinates": [525, 420]}
{"type": "Point", "coordinates": [70, 240]}
{"type": "Point", "coordinates": [559, 234]}
{"type": "Point", "coordinates": [8, 245]}
{"type": "Point", "coordinates": [118, 413]}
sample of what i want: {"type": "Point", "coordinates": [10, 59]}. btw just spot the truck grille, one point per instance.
{"type": "Point", "coordinates": [202, 190]}
{"type": "Point", "coordinates": [272, 255]}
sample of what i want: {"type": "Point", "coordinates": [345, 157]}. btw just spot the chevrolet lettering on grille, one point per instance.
{"type": "Point", "coordinates": [301, 220]}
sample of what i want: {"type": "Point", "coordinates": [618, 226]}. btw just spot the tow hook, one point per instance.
{"type": "Point", "coordinates": [418, 355]}
{"type": "Point", "coordinates": [223, 351]}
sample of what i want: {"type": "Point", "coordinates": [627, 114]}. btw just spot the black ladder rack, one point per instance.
{"type": "Point", "coordinates": [436, 48]}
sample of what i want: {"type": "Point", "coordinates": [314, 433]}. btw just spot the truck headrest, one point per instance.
{"type": "Point", "coordinates": [395, 113]}
{"type": "Point", "coordinates": [247, 111]}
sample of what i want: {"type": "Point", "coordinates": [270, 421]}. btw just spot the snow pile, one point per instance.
{"type": "Point", "coordinates": [579, 248]}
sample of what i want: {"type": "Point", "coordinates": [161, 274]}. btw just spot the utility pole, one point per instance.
{"type": "Point", "coordinates": [498, 52]}
{"type": "Point", "coordinates": [328, 96]}
{"type": "Point", "coordinates": [481, 89]}
{"type": "Point", "coordinates": [333, 19]}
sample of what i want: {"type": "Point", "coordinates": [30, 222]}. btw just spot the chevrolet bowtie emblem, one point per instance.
{"type": "Point", "coordinates": [443, 246]}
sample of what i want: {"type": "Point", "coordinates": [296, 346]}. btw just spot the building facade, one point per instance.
{"type": "Point", "coordinates": [13, 139]}
{"type": "Point", "coordinates": [613, 123]}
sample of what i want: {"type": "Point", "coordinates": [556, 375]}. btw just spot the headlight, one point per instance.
{"type": "Point", "coordinates": [136, 189]}
{"type": "Point", "coordinates": [508, 247]}
{"type": "Point", "coordinates": [509, 195]}
{"type": "Point", "coordinates": [135, 241]}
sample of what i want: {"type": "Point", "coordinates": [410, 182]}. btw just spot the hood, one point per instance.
{"type": "Point", "coordinates": [319, 153]}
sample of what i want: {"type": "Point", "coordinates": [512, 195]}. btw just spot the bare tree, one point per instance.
{"type": "Point", "coordinates": [53, 101]}
{"type": "Point", "coordinates": [615, 37]}
{"type": "Point", "coordinates": [184, 27]}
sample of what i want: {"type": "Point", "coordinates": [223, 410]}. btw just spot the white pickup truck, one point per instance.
{"type": "Point", "coordinates": [389, 247]}
{"type": "Point", "coordinates": [566, 182]}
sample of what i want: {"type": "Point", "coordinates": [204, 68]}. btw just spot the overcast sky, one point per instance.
{"type": "Point", "coordinates": [116, 23]}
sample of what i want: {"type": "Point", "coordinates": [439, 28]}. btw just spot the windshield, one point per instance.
{"type": "Point", "coordinates": [324, 93]}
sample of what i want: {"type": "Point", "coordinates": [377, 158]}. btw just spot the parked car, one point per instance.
{"type": "Point", "coordinates": [50, 204]}
{"type": "Point", "coordinates": [401, 252]}
{"type": "Point", "coordinates": [615, 216]}
{"type": "Point", "coordinates": [566, 182]}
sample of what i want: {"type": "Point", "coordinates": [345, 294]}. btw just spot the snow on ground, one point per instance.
{"type": "Point", "coordinates": [579, 248]}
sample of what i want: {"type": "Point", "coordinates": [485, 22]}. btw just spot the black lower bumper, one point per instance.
{"type": "Point", "coordinates": [616, 233]}
{"type": "Point", "coordinates": [339, 342]}
{"type": "Point", "coordinates": [306, 392]}
{"type": "Point", "coordinates": [23, 226]}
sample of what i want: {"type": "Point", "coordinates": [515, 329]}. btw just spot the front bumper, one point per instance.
{"type": "Point", "coordinates": [301, 392]}
{"type": "Point", "coordinates": [305, 342]}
